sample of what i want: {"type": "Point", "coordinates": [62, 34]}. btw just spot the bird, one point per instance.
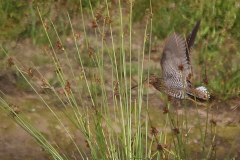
{"type": "Point", "coordinates": [176, 68]}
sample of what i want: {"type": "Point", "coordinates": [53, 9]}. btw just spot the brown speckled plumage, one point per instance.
{"type": "Point", "coordinates": [176, 68]}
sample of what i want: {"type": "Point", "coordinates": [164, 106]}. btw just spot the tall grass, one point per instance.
{"type": "Point", "coordinates": [115, 121]}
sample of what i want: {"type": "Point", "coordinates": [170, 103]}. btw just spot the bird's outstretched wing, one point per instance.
{"type": "Point", "coordinates": [175, 65]}
{"type": "Point", "coordinates": [175, 62]}
{"type": "Point", "coordinates": [191, 38]}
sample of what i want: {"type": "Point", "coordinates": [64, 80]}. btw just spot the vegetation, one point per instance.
{"type": "Point", "coordinates": [90, 47]}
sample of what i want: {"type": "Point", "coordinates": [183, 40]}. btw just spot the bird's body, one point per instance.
{"type": "Point", "coordinates": [178, 93]}
{"type": "Point", "coordinates": [176, 68]}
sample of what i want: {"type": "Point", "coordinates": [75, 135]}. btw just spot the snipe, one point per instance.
{"type": "Point", "coordinates": [176, 68]}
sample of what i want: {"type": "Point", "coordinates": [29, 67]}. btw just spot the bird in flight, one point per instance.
{"type": "Point", "coordinates": [176, 68]}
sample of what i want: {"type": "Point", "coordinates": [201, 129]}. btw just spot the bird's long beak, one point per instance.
{"type": "Point", "coordinates": [144, 81]}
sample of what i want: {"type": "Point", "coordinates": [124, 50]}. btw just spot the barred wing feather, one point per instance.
{"type": "Point", "coordinates": [173, 58]}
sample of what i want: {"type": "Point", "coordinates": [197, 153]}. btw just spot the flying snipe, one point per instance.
{"type": "Point", "coordinates": [176, 68]}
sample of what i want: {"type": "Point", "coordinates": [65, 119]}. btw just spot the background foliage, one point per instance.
{"type": "Point", "coordinates": [219, 33]}
{"type": "Point", "coordinates": [216, 56]}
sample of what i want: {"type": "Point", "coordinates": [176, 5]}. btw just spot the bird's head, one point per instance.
{"type": "Point", "coordinates": [152, 79]}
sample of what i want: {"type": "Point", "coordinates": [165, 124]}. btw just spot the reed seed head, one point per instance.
{"type": "Point", "coordinates": [159, 147]}
{"type": "Point", "coordinates": [10, 62]}
{"type": "Point", "coordinates": [180, 67]}
{"type": "Point", "coordinates": [154, 131]}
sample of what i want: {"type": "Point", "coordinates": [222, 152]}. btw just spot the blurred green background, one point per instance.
{"type": "Point", "coordinates": [217, 44]}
